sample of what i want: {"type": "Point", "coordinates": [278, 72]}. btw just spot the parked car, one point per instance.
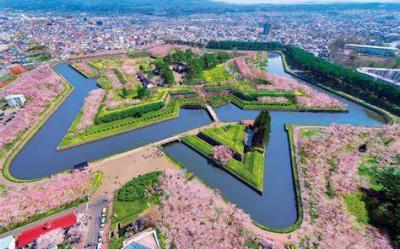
{"type": "Point", "coordinates": [99, 238]}
{"type": "Point", "coordinates": [104, 212]}
{"type": "Point", "coordinates": [99, 245]}
{"type": "Point", "coordinates": [102, 222]}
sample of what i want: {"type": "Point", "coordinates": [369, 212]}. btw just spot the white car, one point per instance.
{"type": "Point", "coordinates": [102, 222]}
{"type": "Point", "coordinates": [99, 238]}
{"type": "Point", "coordinates": [99, 245]}
{"type": "Point", "coordinates": [104, 212]}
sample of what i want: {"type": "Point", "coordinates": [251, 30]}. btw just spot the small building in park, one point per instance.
{"type": "Point", "coordinates": [247, 122]}
{"type": "Point", "coordinates": [29, 236]}
{"type": "Point", "coordinates": [146, 82]}
{"type": "Point", "coordinates": [15, 100]}
{"type": "Point", "coordinates": [143, 240]}
{"type": "Point", "coordinates": [17, 69]}
{"type": "Point", "coordinates": [180, 68]}
{"type": "Point", "coordinates": [7, 242]}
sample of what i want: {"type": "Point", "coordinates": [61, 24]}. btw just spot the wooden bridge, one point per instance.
{"type": "Point", "coordinates": [212, 113]}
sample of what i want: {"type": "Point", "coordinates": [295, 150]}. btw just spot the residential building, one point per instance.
{"type": "Point", "coordinates": [15, 100]}
{"type": "Point", "coordinates": [7, 242]}
{"type": "Point", "coordinates": [373, 50]}
{"type": "Point", "coordinates": [384, 75]}
{"type": "Point", "coordinates": [143, 240]}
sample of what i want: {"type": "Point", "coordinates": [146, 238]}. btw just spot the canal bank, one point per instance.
{"type": "Point", "coordinates": [276, 208]}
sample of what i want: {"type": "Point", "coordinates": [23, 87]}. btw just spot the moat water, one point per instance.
{"type": "Point", "coordinates": [276, 207]}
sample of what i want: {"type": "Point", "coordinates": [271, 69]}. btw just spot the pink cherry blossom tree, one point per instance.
{"type": "Point", "coordinates": [21, 202]}
{"type": "Point", "coordinates": [90, 108]}
{"type": "Point", "coordinates": [222, 153]}
{"type": "Point", "coordinates": [328, 163]}
{"type": "Point", "coordinates": [193, 216]}
{"type": "Point", "coordinates": [40, 87]}
{"type": "Point", "coordinates": [52, 238]}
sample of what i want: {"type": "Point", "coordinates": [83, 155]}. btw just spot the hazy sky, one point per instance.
{"type": "Point", "coordinates": [306, 1]}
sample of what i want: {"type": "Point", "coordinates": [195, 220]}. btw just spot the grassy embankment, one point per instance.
{"type": "Point", "coordinates": [16, 146]}
{"type": "Point", "coordinates": [299, 221]}
{"type": "Point", "coordinates": [107, 129]}
{"type": "Point", "coordinates": [250, 170]}
{"type": "Point", "coordinates": [246, 98]}
{"type": "Point", "coordinates": [132, 200]}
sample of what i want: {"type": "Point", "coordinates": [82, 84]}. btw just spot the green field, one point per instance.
{"type": "Point", "coordinates": [357, 207]}
{"type": "Point", "coordinates": [198, 144]}
{"type": "Point", "coordinates": [103, 130]}
{"type": "Point", "coordinates": [251, 170]}
{"type": "Point", "coordinates": [217, 74]}
{"type": "Point", "coordinates": [231, 135]}
{"type": "Point", "coordinates": [131, 200]}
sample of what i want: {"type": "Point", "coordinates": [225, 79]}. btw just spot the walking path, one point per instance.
{"type": "Point", "coordinates": [212, 113]}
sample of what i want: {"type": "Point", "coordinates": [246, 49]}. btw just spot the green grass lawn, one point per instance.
{"type": "Point", "coordinates": [254, 162]}
{"type": "Point", "coordinates": [125, 212]}
{"type": "Point", "coordinates": [310, 132]}
{"type": "Point", "coordinates": [356, 206]}
{"type": "Point", "coordinates": [217, 74]}
{"type": "Point", "coordinates": [251, 171]}
{"type": "Point", "coordinates": [103, 130]}
{"type": "Point", "coordinates": [231, 135]}
{"type": "Point", "coordinates": [198, 144]}
{"type": "Point", "coordinates": [132, 199]}
{"type": "Point", "coordinates": [218, 100]}
{"type": "Point", "coordinates": [97, 180]}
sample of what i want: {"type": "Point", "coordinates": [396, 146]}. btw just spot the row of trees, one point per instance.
{"type": "Point", "coordinates": [384, 208]}
{"type": "Point", "coordinates": [138, 187]}
{"type": "Point", "coordinates": [242, 45]}
{"type": "Point", "coordinates": [262, 129]}
{"type": "Point", "coordinates": [345, 79]}
{"type": "Point", "coordinates": [133, 111]}
{"type": "Point", "coordinates": [165, 72]}
{"type": "Point", "coordinates": [196, 64]}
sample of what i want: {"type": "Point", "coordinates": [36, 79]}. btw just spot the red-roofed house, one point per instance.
{"type": "Point", "coordinates": [247, 122]}
{"type": "Point", "coordinates": [34, 233]}
{"type": "Point", "coordinates": [17, 69]}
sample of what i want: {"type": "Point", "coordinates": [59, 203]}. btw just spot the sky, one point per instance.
{"type": "Point", "coordinates": [305, 1]}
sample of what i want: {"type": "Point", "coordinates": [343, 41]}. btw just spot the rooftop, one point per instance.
{"type": "Point", "coordinates": [368, 46]}
{"type": "Point", "coordinates": [144, 240]}
{"type": "Point", "coordinates": [34, 233]}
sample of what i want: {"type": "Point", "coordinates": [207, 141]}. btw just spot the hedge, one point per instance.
{"type": "Point", "coordinates": [133, 111]}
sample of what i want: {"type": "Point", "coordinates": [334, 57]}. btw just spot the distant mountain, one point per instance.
{"type": "Point", "coordinates": [170, 7]}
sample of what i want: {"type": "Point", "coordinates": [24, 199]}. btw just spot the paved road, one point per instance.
{"type": "Point", "coordinates": [94, 210]}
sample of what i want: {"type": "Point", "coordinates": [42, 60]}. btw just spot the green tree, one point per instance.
{"type": "Point", "coordinates": [143, 92]}
{"type": "Point", "coordinates": [168, 59]}
{"type": "Point", "coordinates": [125, 92]}
{"type": "Point", "coordinates": [385, 212]}
{"type": "Point", "coordinates": [262, 128]}
{"type": "Point", "coordinates": [164, 71]}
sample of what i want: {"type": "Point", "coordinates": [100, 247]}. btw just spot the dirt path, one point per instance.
{"type": "Point", "coordinates": [119, 169]}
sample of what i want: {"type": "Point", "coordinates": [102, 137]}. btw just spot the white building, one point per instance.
{"type": "Point", "coordinates": [143, 240]}
{"type": "Point", "coordinates": [7, 242]}
{"type": "Point", "coordinates": [15, 100]}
